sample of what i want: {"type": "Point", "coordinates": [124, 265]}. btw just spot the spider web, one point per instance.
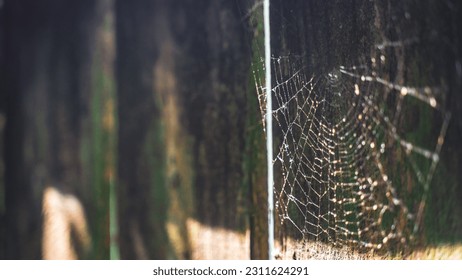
{"type": "Point", "coordinates": [348, 169]}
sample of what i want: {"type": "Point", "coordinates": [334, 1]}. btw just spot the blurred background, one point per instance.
{"type": "Point", "coordinates": [141, 111]}
{"type": "Point", "coordinates": [132, 129]}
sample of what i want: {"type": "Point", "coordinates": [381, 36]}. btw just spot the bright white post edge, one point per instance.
{"type": "Point", "coordinates": [269, 128]}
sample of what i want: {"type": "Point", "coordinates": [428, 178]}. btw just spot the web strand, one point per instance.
{"type": "Point", "coordinates": [338, 139]}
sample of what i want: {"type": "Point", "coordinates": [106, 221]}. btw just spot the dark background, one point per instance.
{"type": "Point", "coordinates": [152, 104]}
